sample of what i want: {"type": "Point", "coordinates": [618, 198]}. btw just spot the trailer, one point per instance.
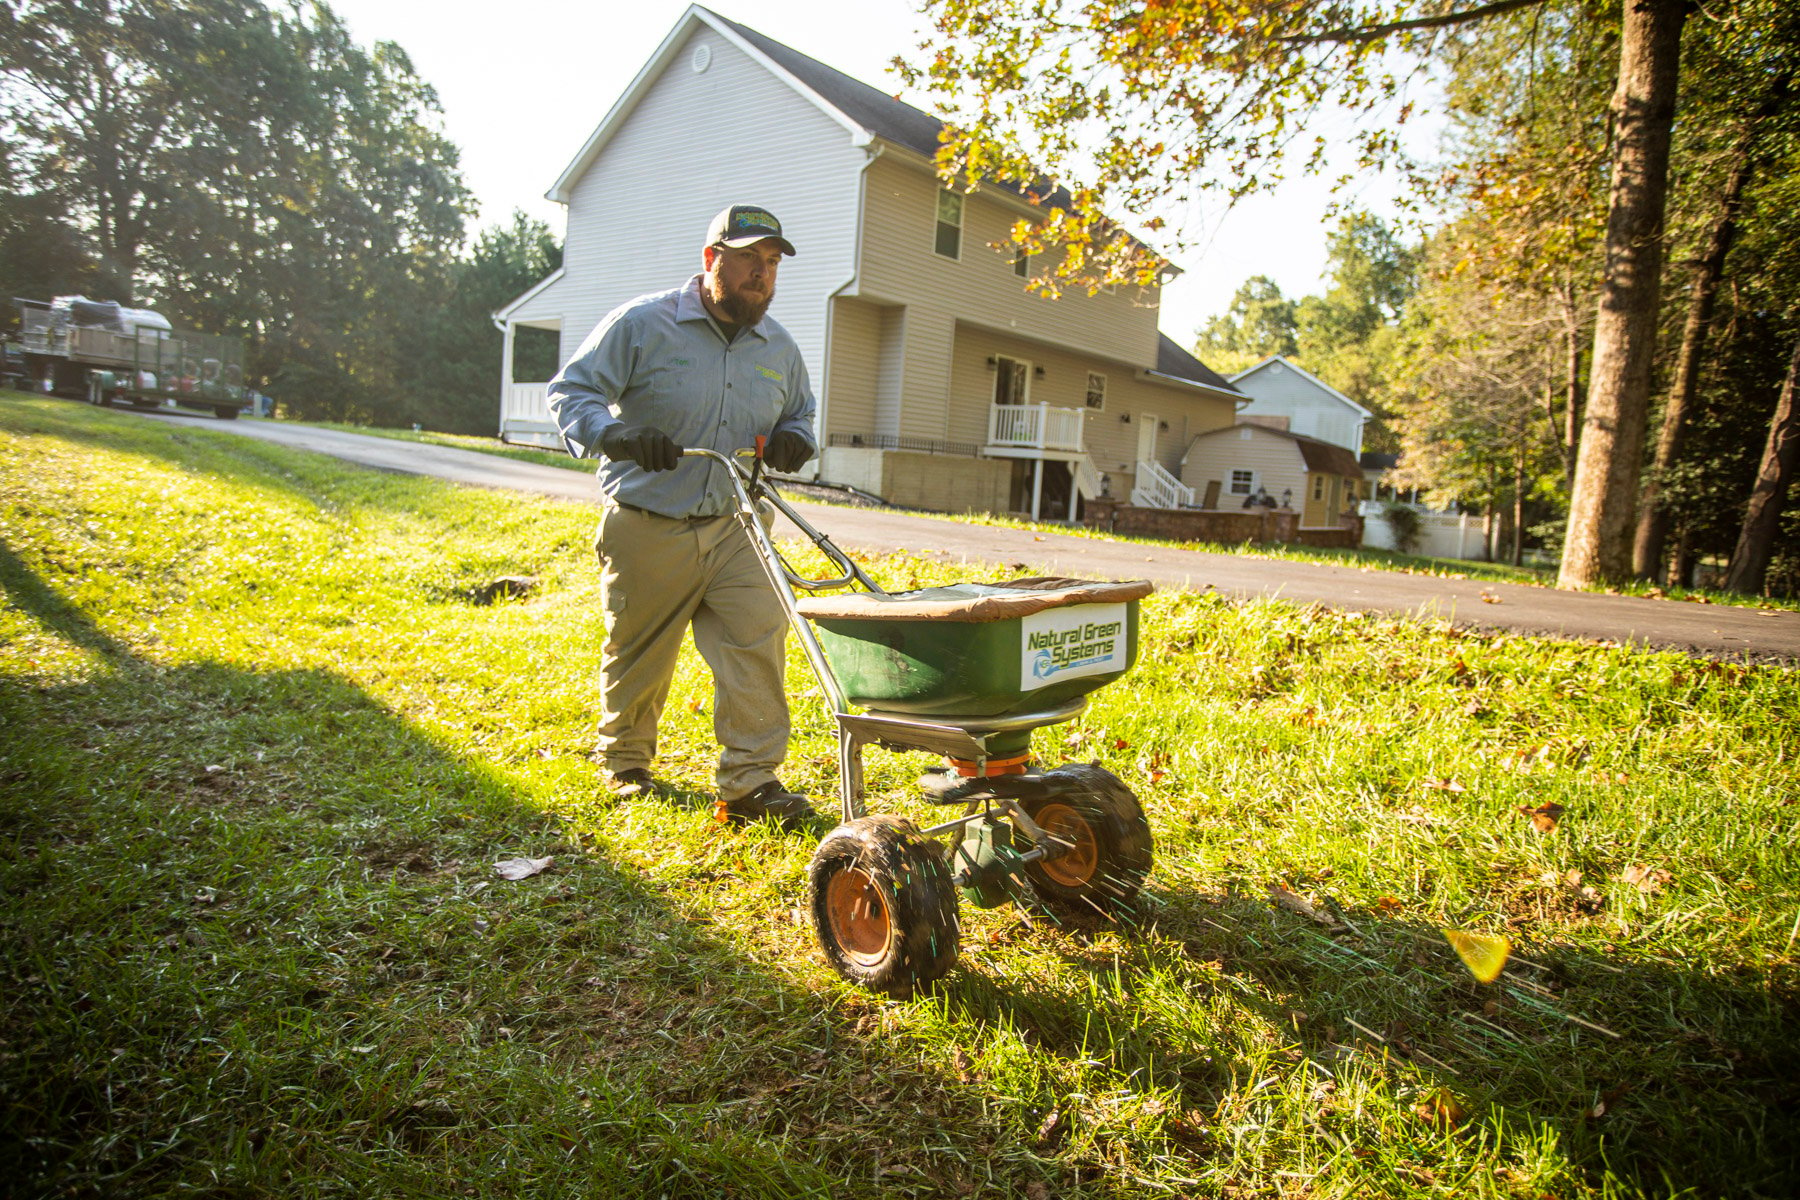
{"type": "Point", "coordinates": [105, 354]}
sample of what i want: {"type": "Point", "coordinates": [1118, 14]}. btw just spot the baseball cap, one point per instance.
{"type": "Point", "coordinates": [745, 225]}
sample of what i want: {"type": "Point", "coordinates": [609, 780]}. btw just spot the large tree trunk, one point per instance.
{"type": "Point", "coordinates": [1653, 518]}
{"type": "Point", "coordinates": [1602, 509]}
{"type": "Point", "coordinates": [1762, 520]}
{"type": "Point", "coordinates": [1571, 430]}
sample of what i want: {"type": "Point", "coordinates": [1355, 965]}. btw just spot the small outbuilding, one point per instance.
{"type": "Point", "coordinates": [1248, 465]}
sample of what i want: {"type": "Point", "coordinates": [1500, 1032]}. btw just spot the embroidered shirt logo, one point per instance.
{"type": "Point", "coordinates": [770, 373]}
{"type": "Point", "coordinates": [681, 362]}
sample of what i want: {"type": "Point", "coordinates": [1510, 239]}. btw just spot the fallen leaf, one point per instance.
{"type": "Point", "coordinates": [521, 868]}
{"type": "Point", "coordinates": [1544, 816]}
{"type": "Point", "coordinates": [1647, 880]}
{"type": "Point", "coordinates": [1050, 1130]}
{"type": "Point", "coordinates": [1444, 785]}
{"type": "Point", "coordinates": [1121, 744]}
{"type": "Point", "coordinates": [1490, 598]}
{"type": "Point", "coordinates": [1037, 1189]}
{"type": "Point", "coordinates": [1296, 903]}
{"type": "Point", "coordinates": [960, 1061]}
{"type": "Point", "coordinates": [1440, 1108]}
{"type": "Point", "coordinates": [1484, 954]}
{"type": "Point", "coordinates": [696, 706]}
{"type": "Point", "coordinates": [1388, 904]}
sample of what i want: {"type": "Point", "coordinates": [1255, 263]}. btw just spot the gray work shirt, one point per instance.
{"type": "Point", "coordinates": [661, 361]}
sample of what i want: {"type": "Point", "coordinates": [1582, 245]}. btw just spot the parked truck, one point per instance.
{"type": "Point", "coordinates": [106, 354]}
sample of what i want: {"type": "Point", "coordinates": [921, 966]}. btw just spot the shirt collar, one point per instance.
{"type": "Point", "coordinates": [689, 307]}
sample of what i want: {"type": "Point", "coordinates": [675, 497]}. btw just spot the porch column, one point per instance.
{"type": "Point", "coordinates": [506, 371]}
{"type": "Point", "coordinates": [1037, 486]}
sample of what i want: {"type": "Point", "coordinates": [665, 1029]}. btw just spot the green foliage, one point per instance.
{"type": "Point", "coordinates": [1259, 322]}
{"type": "Point", "coordinates": [1404, 522]}
{"type": "Point", "coordinates": [247, 171]}
{"type": "Point", "coordinates": [262, 752]}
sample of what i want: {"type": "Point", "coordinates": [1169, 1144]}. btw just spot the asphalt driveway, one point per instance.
{"type": "Point", "coordinates": [1717, 631]}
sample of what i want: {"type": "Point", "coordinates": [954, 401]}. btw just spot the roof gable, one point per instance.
{"type": "Point", "coordinates": [1307, 376]}
{"type": "Point", "coordinates": [697, 17]}
{"type": "Point", "coordinates": [1318, 455]}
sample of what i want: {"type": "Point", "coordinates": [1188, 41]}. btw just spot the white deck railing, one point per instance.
{"type": "Point", "coordinates": [525, 402]}
{"type": "Point", "coordinates": [1156, 488]}
{"type": "Point", "coordinates": [1087, 478]}
{"type": "Point", "coordinates": [1038, 426]}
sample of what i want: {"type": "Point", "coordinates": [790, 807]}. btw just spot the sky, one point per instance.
{"type": "Point", "coordinates": [523, 84]}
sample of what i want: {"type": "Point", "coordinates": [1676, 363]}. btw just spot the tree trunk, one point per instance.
{"type": "Point", "coordinates": [1571, 430]}
{"type": "Point", "coordinates": [1762, 520]}
{"type": "Point", "coordinates": [1607, 467]}
{"type": "Point", "coordinates": [1653, 519]}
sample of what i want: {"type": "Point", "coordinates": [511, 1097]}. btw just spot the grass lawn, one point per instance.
{"type": "Point", "coordinates": [1384, 560]}
{"type": "Point", "coordinates": [261, 748]}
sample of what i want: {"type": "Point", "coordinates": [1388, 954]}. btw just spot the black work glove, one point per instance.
{"type": "Point", "coordinates": [649, 448]}
{"type": "Point", "coordinates": [787, 451]}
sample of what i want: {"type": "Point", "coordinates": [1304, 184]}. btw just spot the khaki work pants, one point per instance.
{"type": "Point", "coordinates": [663, 575]}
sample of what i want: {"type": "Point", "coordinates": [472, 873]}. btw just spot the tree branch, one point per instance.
{"type": "Point", "coordinates": [1373, 33]}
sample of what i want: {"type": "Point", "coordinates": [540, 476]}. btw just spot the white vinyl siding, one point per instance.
{"type": "Point", "coordinates": [1278, 390]}
{"type": "Point", "coordinates": [637, 217]}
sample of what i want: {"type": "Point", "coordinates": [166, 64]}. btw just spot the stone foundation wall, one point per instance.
{"type": "Point", "coordinates": [1225, 527]}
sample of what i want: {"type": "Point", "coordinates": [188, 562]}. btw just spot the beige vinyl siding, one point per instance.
{"type": "Point", "coordinates": [855, 368]}
{"type": "Point", "coordinates": [900, 265]}
{"type": "Point", "coordinates": [638, 216]}
{"type": "Point", "coordinates": [1111, 443]}
{"type": "Point", "coordinates": [1275, 459]}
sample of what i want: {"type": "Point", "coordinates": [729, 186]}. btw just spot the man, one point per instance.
{"type": "Point", "coordinates": [696, 366]}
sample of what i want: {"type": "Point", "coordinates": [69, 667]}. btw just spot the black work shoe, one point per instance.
{"type": "Point", "coordinates": [634, 781]}
{"type": "Point", "coordinates": [790, 809]}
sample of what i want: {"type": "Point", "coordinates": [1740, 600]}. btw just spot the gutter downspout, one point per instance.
{"type": "Point", "coordinates": [872, 150]}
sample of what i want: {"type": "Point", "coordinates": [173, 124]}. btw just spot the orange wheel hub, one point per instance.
{"type": "Point", "coordinates": [858, 913]}
{"type": "Point", "coordinates": [1076, 866]}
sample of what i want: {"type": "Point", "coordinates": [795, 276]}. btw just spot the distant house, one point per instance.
{"type": "Point", "coordinates": [1236, 467]}
{"type": "Point", "coordinates": [942, 383]}
{"type": "Point", "coordinates": [1285, 395]}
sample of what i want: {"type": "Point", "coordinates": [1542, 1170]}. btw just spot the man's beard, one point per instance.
{"type": "Point", "coordinates": [741, 308]}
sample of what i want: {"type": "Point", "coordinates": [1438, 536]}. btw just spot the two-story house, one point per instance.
{"type": "Point", "coordinates": [942, 382]}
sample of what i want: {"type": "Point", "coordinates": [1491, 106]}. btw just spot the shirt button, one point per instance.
{"type": "Point", "coordinates": [728, 386]}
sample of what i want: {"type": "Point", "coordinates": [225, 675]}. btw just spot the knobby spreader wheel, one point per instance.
{"type": "Point", "coordinates": [1109, 840]}
{"type": "Point", "coordinates": [884, 905]}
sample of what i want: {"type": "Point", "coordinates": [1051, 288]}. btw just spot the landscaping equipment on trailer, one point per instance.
{"type": "Point", "coordinates": [965, 671]}
{"type": "Point", "coordinates": [105, 354]}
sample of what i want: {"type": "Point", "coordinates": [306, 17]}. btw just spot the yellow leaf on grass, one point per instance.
{"type": "Point", "coordinates": [1483, 953]}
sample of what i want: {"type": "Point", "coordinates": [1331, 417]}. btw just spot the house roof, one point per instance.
{"type": "Point", "coordinates": [1317, 455]}
{"type": "Point", "coordinates": [1301, 371]}
{"type": "Point", "coordinates": [866, 112]}
{"type": "Point", "coordinates": [1173, 361]}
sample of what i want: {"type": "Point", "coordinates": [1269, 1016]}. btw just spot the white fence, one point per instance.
{"type": "Point", "coordinates": [1441, 535]}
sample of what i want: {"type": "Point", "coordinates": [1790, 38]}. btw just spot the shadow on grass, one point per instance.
{"type": "Point", "coordinates": [1678, 1080]}
{"type": "Point", "coordinates": [253, 943]}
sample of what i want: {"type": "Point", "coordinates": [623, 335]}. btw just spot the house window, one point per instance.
{"type": "Point", "coordinates": [1318, 487]}
{"type": "Point", "coordinates": [1021, 264]}
{"type": "Point", "coordinates": [949, 223]}
{"type": "Point", "coordinates": [1243, 482]}
{"type": "Point", "coordinates": [1096, 390]}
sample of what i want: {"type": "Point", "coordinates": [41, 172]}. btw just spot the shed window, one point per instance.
{"type": "Point", "coordinates": [1243, 482]}
{"type": "Point", "coordinates": [1096, 390]}
{"type": "Point", "coordinates": [949, 223]}
{"type": "Point", "coordinates": [1318, 487]}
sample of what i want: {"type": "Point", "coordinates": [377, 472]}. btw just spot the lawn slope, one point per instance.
{"type": "Point", "coordinates": [260, 746]}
